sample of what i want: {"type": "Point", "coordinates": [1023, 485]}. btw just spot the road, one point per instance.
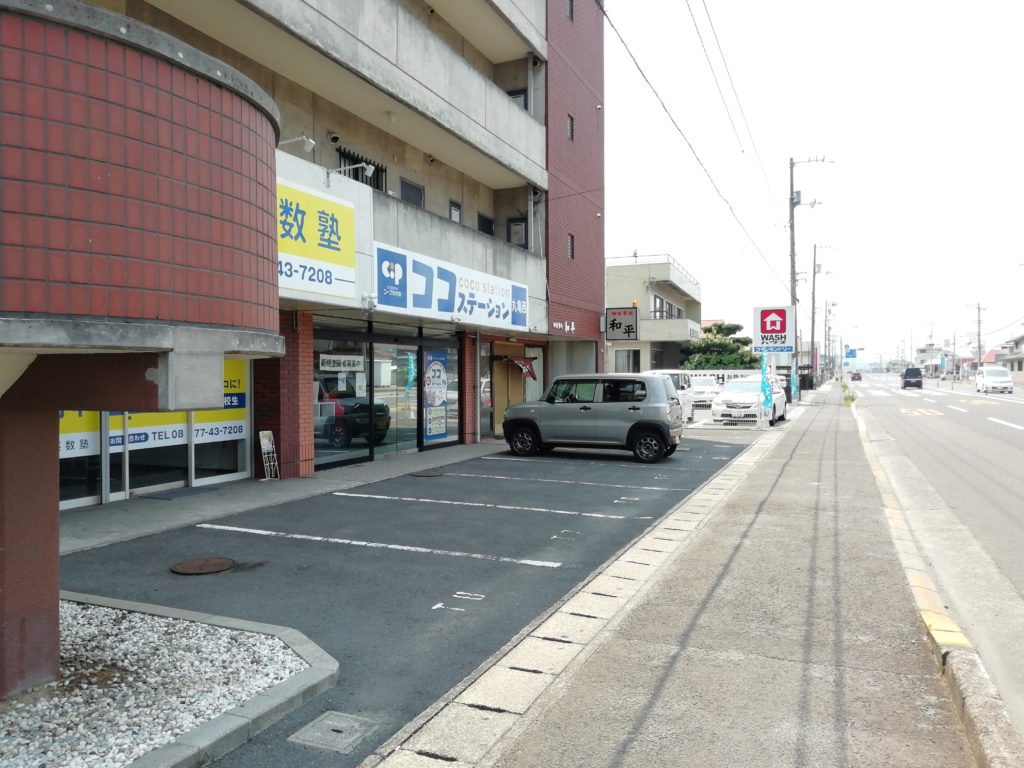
{"type": "Point", "coordinates": [956, 459]}
{"type": "Point", "coordinates": [411, 583]}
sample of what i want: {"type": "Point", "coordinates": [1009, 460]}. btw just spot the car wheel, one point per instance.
{"type": "Point", "coordinates": [773, 419]}
{"type": "Point", "coordinates": [670, 450]}
{"type": "Point", "coordinates": [379, 437]}
{"type": "Point", "coordinates": [649, 448]}
{"type": "Point", "coordinates": [524, 441]}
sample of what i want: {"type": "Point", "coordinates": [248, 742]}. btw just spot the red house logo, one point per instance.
{"type": "Point", "coordinates": [773, 321]}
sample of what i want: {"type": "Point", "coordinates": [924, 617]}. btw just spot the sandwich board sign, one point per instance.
{"type": "Point", "coordinates": [774, 329]}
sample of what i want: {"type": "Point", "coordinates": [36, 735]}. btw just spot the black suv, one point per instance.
{"type": "Point", "coordinates": [912, 378]}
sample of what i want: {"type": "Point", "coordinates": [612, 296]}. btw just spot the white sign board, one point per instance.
{"type": "Point", "coordinates": [341, 362]}
{"type": "Point", "coordinates": [774, 329]}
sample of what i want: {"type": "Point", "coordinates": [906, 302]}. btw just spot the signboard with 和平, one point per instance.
{"type": "Point", "coordinates": [621, 324]}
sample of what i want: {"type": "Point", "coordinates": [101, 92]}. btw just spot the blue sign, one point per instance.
{"type": "Point", "coordinates": [392, 279]}
{"type": "Point", "coordinates": [851, 352]}
{"type": "Point", "coordinates": [435, 395]}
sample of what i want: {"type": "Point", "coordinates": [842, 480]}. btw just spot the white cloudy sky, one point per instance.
{"type": "Point", "coordinates": [918, 106]}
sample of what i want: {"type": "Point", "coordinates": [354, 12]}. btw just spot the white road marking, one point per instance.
{"type": "Point", "coordinates": [928, 400]}
{"type": "Point", "coordinates": [955, 408]}
{"type": "Point", "coordinates": [482, 504]}
{"type": "Point", "coordinates": [469, 596]}
{"type": "Point", "coordinates": [377, 545]}
{"type": "Point", "coordinates": [573, 482]}
{"type": "Point", "coordinates": [1006, 423]}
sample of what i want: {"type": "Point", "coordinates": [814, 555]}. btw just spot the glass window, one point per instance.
{"type": "Point", "coordinates": [570, 128]}
{"type": "Point", "coordinates": [340, 389]}
{"type": "Point", "coordinates": [627, 360]}
{"type": "Point", "coordinates": [571, 246]}
{"type": "Point", "coordinates": [620, 391]}
{"type": "Point", "coordinates": [485, 224]}
{"type": "Point", "coordinates": [412, 193]}
{"type": "Point", "coordinates": [396, 397]}
{"type": "Point", "coordinates": [569, 10]}
{"type": "Point", "coordinates": [573, 391]}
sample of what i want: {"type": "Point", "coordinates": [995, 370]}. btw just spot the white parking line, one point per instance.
{"type": "Point", "coordinates": [955, 408]}
{"type": "Point", "coordinates": [486, 505]}
{"type": "Point", "coordinates": [929, 400]}
{"type": "Point", "coordinates": [1006, 423]}
{"type": "Point", "coordinates": [376, 545]}
{"type": "Point", "coordinates": [568, 482]}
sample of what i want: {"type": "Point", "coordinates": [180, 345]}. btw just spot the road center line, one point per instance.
{"type": "Point", "coordinates": [377, 545]}
{"type": "Point", "coordinates": [480, 504]}
{"type": "Point", "coordinates": [1006, 423]}
{"type": "Point", "coordinates": [955, 408]}
{"type": "Point", "coordinates": [567, 482]}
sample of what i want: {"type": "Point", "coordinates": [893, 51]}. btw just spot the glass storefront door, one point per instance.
{"type": "Point", "coordinates": [396, 381]}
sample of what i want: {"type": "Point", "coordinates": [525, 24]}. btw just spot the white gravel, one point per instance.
{"type": "Point", "coordinates": [131, 682]}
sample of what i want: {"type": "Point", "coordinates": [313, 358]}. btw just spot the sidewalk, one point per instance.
{"type": "Point", "coordinates": [777, 628]}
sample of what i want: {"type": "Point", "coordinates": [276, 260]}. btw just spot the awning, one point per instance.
{"type": "Point", "coordinates": [525, 365]}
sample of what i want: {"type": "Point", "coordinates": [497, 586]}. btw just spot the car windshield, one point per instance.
{"type": "Point", "coordinates": [742, 386]}
{"type": "Point", "coordinates": [997, 373]}
{"type": "Point", "coordinates": [704, 383]}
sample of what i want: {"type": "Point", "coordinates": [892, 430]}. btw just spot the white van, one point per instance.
{"type": "Point", "coordinates": [993, 378]}
{"type": "Point", "coordinates": [681, 381]}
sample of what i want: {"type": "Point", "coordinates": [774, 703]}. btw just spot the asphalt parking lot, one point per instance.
{"type": "Point", "coordinates": [413, 582]}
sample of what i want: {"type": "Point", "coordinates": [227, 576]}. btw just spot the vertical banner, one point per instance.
{"type": "Point", "coordinates": [435, 395]}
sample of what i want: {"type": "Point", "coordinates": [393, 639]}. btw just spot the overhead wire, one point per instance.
{"type": "Point", "coordinates": [689, 144]}
{"type": "Point", "coordinates": [714, 76]}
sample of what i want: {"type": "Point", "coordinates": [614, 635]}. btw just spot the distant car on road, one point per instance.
{"type": "Point", "coordinates": [703, 390]}
{"type": "Point", "coordinates": [855, 376]}
{"type": "Point", "coordinates": [993, 379]}
{"type": "Point", "coordinates": [911, 377]}
{"type": "Point", "coordinates": [630, 411]}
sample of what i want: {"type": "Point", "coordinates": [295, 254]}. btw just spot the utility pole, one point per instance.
{"type": "Point", "coordinates": [794, 201]}
{"type": "Point", "coordinates": [814, 281]}
{"type": "Point", "coordinates": [981, 349]}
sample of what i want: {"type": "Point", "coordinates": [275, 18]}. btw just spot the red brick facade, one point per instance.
{"type": "Point", "coordinates": [576, 167]}
{"type": "Point", "coordinates": [133, 189]}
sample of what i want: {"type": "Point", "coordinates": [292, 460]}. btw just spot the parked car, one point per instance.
{"type": "Point", "coordinates": [340, 415]}
{"type": "Point", "coordinates": [911, 377]}
{"type": "Point", "coordinates": [993, 378]}
{"type": "Point", "coordinates": [741, 400]}
{"type": "Point", "coordinates": [637, 412]}
{"type": "Point", "coordinates": [703, 390]}
{"type": "Point", "coordinates": [681, 381]}
{"type": "Point", "coordinates": [855, 376]}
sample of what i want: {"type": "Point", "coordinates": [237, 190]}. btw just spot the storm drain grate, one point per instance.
{"type": "Point", "coordinates": [334, 731]}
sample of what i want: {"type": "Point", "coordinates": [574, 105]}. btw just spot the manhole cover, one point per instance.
{"type": "Point", "coordinates": [203, 565]}
{"type": "Point", "coordinates": [335, 731]}
{"type": "Point", "coordinates": [427, 473]}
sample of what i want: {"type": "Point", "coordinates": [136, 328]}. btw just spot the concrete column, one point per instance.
{"type": "Point", "coordinates": [29, 548]}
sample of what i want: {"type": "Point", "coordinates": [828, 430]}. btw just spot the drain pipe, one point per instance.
{"type": "Point", "coordinates": [477, 387]}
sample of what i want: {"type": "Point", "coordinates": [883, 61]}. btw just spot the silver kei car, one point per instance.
{"type": "Point", "coordinates": [630, 411]}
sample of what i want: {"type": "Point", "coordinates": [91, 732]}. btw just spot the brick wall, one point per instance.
{"type": "Point", "coordinates": [576, 167]}
{"type": "Point", "coordinates": [282, 398]}
{"type": "Point", "coordinates": [133, 189]}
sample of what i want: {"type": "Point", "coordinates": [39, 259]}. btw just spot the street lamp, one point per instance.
{"type": "Point", "coordinates": [794, 201]}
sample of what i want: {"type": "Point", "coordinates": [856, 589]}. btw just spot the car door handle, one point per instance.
{"type": "Point", "coordinates": [584, 407]}
{"type": "Point", "coordinates": [633, 408]}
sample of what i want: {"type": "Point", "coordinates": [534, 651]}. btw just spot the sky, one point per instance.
{"type": "Point", "coordinates": [918, 111]}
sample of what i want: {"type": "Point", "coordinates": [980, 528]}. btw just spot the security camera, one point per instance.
{"type": "Point", "coordinates": [333, 138]}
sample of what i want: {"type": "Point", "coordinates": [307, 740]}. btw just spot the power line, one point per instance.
{"type": "Point", "coordinates": [714, 75]}
{"type": "Point", "coordinates": [739, 105]}
{"type": "Point", "coordinates": [696, 157]}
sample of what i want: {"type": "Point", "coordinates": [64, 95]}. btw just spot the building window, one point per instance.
{"type": "Point", "coordinates": [455, 211]}
{"type": "Point", "coordinates": [569, 9]}
{"type": "Point", "coordinates": [571, 246]}
{"type": "Point", "coordinates": [412, 193]}
{"type": "Point", "coordinates": [627, 361]}
{"type": "Point", "coordinates": [517, 232]}
{"type": "Point", "coordinates": [485, 224]}
{"type": "Point", "coordinates": [570, 128]}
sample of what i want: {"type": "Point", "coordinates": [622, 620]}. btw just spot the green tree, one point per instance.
{"type": "Point", "coordinates": [720, 349]}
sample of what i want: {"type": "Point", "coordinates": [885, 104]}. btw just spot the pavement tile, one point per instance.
{"type": "Point", "coordinates": [505, 689]}
{"type": "Point", "coordinates": [540, 655]}
{"type": "Point", "coordinates": [573, 629]}
{"type": "Point", "coordinates": [462, 733]}
{"type": "Point", "coordinates": [598, 606]}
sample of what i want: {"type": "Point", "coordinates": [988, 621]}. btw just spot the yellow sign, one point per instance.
{"type": "Point", "coordinates": [316, 242]}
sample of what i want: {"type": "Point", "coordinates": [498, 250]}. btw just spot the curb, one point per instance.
{"type": "Point", "coordinates": [215, 738]}
{"type": "Point", "coordinates": [994, 740]}
{"type": "Point", "coordinates": [467, 725]}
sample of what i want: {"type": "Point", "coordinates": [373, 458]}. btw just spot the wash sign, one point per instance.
{"type": "Point", "coordinates": [774, 329]}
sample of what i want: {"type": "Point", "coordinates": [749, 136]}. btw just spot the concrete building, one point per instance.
{"type": "Point", "coordinates": [1012, 358]}
{"type": "Point", "coordinates": [668, 310]}
{"type": "Point", "coordinates": [354, 229]}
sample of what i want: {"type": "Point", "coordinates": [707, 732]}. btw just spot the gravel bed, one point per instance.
{"type": "Point", "coordinates": [131, 682]}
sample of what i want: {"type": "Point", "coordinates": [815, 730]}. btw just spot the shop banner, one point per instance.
{"type": "Point", "coordinates": [435, 395]}
{"type": "Point", "coordinates": [412, 284]}
{"type": "Point", "coordinates": [316, 243]}
{"type": "Point", "coordinates": [79, 431]}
